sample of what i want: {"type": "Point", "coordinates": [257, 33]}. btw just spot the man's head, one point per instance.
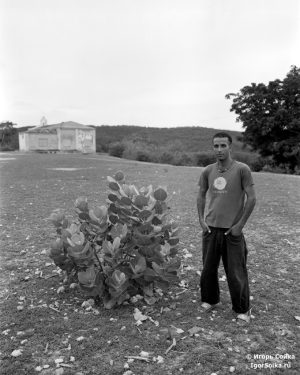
{"type": "Point", "coordinates": [222, 145]}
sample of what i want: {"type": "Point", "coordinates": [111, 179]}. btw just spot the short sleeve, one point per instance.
{"type": "Point", "coordinates": [203, 180]}
{"type": "Point", "coordinates": [246, 176]}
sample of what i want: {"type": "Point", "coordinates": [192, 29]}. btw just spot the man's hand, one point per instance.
{"type": "Point", "coordinates": [205, 227]}
{"type": "Point", "coordinates": [235, 230]}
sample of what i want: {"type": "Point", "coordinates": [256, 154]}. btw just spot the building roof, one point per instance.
{"type": "Point", "coordinates": [52, 129]}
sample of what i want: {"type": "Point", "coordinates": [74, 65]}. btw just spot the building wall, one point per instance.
{"type": "Point", "coordinates": [40, 141]}
{"type": "Point", "coordinates": [83, 140]}
{"type": "Point", "coordinates": [67, 139]}
{"type": "Point", "coordinates": [86, 140]}
{"type": "Point", "coordinates": [23, 141]}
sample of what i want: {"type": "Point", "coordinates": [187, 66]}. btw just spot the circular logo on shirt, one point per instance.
{"type": "Point", "coordinates": [220, 183]}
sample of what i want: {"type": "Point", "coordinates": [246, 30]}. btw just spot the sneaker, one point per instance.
{"type": "Point", "coordinates": [243, 317]}
{"type": "Point", "coordinates": [208, 307]}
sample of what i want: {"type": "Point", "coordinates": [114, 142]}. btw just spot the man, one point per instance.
{"type": "Point", "coordinates": [227, 198]}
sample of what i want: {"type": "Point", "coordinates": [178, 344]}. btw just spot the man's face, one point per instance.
{"type": "Point", "coordinates": [222, 148]}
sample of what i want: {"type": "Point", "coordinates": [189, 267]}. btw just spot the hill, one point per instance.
{"type": "Point", "coordinates": [189, 139]}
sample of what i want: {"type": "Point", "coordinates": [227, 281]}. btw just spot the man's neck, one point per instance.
{"type": "Point", "coordinates": [225, 163]}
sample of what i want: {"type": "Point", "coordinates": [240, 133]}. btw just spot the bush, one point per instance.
{"type": "Point", "coordinates": [166, 158]}
{"type": "Point", "coordinates": [121, 249]}
{"type": "Point", "coordinates": [7, 147]}
{"type": "Point", "coordinates": [183, 159]}
{"type": "Point", "coordinates": [258, 164]}
{"type": "Point", "coordinates": [143, 156]}
{"type": "Point", "coordinates": [203, 159]}
{"type": "Point", "coordinates": [116, 149]}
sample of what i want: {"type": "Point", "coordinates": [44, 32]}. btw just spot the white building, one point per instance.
{"type": "Point", "coordinates": [66, 136]}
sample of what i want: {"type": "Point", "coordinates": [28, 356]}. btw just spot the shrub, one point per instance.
{"type": "Point", "coordinates": [7, 147]}
{"type": "Point", "coordinates": [143, 156]}
{"type": "Point", "coordinates": [166, 158]}
{"type": "Point", "coordinates": [183, 159]}
{"type": "Point", "coordinates": [202, 159]}
{"type": "Point", "coordinates": [258, 164]}
{"type": "Point", "coordinates": [116, 149]}
{"type": "Point", "coordinates": [121, 249]}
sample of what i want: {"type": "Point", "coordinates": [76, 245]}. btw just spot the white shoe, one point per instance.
{"type": "Point", "coordinates": [208, 307]}
{"type": "Point", "coordinates": [244, 317]}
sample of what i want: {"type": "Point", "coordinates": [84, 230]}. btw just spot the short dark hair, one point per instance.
{"type": "Point", "coordinates": [223, 135]}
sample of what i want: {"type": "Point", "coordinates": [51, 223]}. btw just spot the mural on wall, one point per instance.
{"type": "Point", "coordinates": [85, 140]}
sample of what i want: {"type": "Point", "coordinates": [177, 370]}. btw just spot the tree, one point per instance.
{"type": "Point", "coordinates": [271, 117]}
{"type": "Point", "coordinates": [8, 135]}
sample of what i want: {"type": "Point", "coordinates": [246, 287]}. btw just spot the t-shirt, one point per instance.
{"type": "Point", "coordinates": [225, 193]}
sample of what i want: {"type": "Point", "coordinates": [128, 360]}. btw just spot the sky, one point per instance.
{"type": "Point", "coordinates": [159, 63]}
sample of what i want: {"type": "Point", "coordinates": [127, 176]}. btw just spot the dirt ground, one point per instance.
{"type": "Point", "coordinates": [49, 333]}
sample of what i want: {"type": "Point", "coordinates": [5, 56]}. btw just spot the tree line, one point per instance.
{"type": "Point", "coordinates": [270, 117]}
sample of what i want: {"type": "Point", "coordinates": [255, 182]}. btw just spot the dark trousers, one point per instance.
{"type": "Point", "coordinates": [233, 251]}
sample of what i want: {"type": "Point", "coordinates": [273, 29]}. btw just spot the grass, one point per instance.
{"type": "Point", "coordinates": [54, 326]}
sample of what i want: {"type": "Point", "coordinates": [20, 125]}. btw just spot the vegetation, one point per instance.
{"type": "Point", "coordinates": [191, 147]}
{"type": "Point", "coordinates": [122, 249]}
{"type": "Point", "coordinates": [271, 117]}
{"type": "Point", "coordinates": [8, 136]}
{"type": "Point", "coordinates": [188, 139]}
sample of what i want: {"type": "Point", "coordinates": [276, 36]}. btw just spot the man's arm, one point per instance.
{"type": "Point", "coordinates": [237, 228]}
{"type": "Point", "coordinates": [201, 207]}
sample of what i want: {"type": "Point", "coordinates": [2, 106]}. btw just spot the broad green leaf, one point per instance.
{"type": "Point", "coordinates": [82, 204]}
{"type": "Point", "coordinates": [165, 249]}
{"type": "Point", "coordinates": [114, 186]}
{"type": "Point", "coordinates": [157, 269]}
{"type": "Point", "coordinates": [156, 221]}
{"type": "Point", "coordinates": [87, 277]}
{"type": "Point", "coordinates": [173, 265]}
{"type": "Point", "coordinates": [126, 201]}
{"type": "Point", "coordinates": [57, 246]}
{"type": "Point", "coordinates": [78, 238]}
{"type": "Point", "coordinates": [139, 266]}
{"type": "Point", "coordinates": [140, 201]}
{"type": "Point", "coordinates": [119, 230]}
{"type": "Point", "coordinates": [116, 243]}
{"type": "Point", "coordinates": [107, 247]}
{"type": "Point", "coordinates": [134, 190]}
{"type": "Point", "coordinates": [126, 190]}
{"type": "Point", "coordinates": [118, 278]}
{"type": "Point", "coordinates": [157, 228]}
{"type": "Point", "coordinates": [173, 241]}
{"type": "Point", "coordinates": [82, 255]}
{"type": "Point", "coordinates": [113, 208]}
{"type": "Point", "coordinates": [56, 217]}
{"type": "Point", "coordinates": [100, 212]}
{"type": "Point", "coordinates": [97, 289]}
{"type": "Point", "coordinates": [119, 176]}
{"type": "Point", "coordinates": [113, 197]}
{"type": "Point", "coordinates": [111, 179]}
{"type": "Point", "coordinates": [113, 219]}
{"type": "Point", "coordinates": [162, 284]}
{"type": "Point", "coordinates": [146, 228]}
{"type": "Point", "coordinates": [145, 214]}
{"type": "Point", "coordinates": [73, 228]}
{"type": "Point", "coordinates": [141, 239]}
{"type": "Point", "coordinates": [84, 216]}
{"type": "Point", "coordinates": [160, 194]}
